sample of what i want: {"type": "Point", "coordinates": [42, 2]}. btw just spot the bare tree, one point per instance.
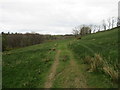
{"type": "Point", "coordinates": [104, 25]}
{"type": "Point", "coordinates": [97, 28]}
{"type": "Point", "coordinates": [94, 28]}
{"type": "Point", "coordinates": [118, 21]}
{"type": "Point", "coordinates": [91, 27]}
{"type": "Point", "coordinates": [113, 22]}
{"type": "Point", "coordinates": [75, 31]}
{"type": "Point", "coordinates": [109, 23]}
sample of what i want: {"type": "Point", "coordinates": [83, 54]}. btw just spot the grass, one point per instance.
{"type": "Point", "coordinates": [69, 74]}
{"type": "Point", "coordinates": [93, 59]}
{"type": "Point", "coordinates": [26, 67]}
{"type": "Point", "coordinates": [96, 49]}
{"type": "Point", "coordinates": [63, 64]}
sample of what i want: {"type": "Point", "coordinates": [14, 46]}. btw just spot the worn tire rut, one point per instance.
{"type": "Point", "coordinates": [52, 73]}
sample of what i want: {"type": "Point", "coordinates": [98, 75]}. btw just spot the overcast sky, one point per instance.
{"type": "Point", "coordinates": [53, 16]}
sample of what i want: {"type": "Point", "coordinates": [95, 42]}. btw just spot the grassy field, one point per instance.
{"type": "Point", "coordinates": [70, 63]}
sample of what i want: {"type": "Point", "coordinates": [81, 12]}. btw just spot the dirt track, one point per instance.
{"type": "Point", "coordinates": [51, 76]}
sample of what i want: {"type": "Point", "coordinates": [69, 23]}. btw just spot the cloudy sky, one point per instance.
{"type": "Point", "coordinates": [53, 16]}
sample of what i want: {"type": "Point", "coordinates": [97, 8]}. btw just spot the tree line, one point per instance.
{"type": "Point", "coordinates": [107, 24]}
{"type": "Point", "coordinates": [15, 40]}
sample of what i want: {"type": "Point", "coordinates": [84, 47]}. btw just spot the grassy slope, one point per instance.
{"type": "Point", "coordinates": [103, 43]}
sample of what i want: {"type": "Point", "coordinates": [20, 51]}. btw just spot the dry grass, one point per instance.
{"type": "Point", "coordinates": [97, 63]}
{"type": "Point", "coordinates": [111, 72]}
{"type": "Point", "coordinates": [87, 60]}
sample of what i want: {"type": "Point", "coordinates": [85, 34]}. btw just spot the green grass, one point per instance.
{"type": "Point", "coordinates": [106, 45]}
{"type": "Point", "coordinates": [26, 67]}
{"type": "Point", "coordinates": [63, 64]}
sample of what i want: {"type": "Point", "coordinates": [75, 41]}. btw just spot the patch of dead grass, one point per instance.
{"type": "Point", "coordinates": [97, 63]}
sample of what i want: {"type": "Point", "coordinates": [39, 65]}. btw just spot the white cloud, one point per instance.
{"type": "Point", "coordinates": [53, 16]}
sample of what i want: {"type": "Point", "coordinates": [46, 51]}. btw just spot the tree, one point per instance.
{"type": "Point", "coordinates": [113, 22]}
{"type": "Point", "coordinates": [85, 30]}
{"type": "Point", "coordinates": [109, 23]}
{"type": "Point", "coordinates": [99, 28]}
{"type": "Point", "coordinates": [2, 33]}
{"type": "Point", "coordinates": [75, 31]}
{"type": "Point", "coordinates": [118, 22]}
{"type": "Point", "coordinates": [91, 27]}
{"type": "Point", "coordinates": [94, 28]}
{"type": "Point", "coordinates": [104, 25]}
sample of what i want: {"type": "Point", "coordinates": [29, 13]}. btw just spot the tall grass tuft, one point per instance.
{"type": "Point", "coordinates": [88, 60]}
{"type": "Point", "coordinates": [97, 63]}
{"type": "Point", "coordinates": [109, 70]}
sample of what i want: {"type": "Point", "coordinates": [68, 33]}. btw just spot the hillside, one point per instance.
{"type": "Point", "coordinates": [90, 62]}
{"type": "Point", "coordinates": [99, 52]}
